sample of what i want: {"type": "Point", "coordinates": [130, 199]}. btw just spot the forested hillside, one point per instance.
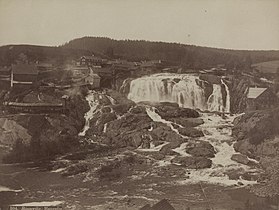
{"type": "Point", "coordinates": [186, 55]}
{"type": "Point", "coordinates": [10, 54]}
{"type": "Point", "coordinates": [189, 56]}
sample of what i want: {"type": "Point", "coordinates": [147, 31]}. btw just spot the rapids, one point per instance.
{"type": "Point", "coordinates": [217, 132]}
{"type": "Point", "coordinates": [182, 89]}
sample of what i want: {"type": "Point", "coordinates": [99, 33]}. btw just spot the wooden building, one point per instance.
{"type": "Point", "coordinates": [92, 61]}
{"type": "Point", "coordinates": [260, 99]}
{"type": "Point", "coordinates": [24, 74]}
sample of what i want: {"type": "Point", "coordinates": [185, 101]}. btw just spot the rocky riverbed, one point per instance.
{"type": "Point", "coordinates": [132, 154]}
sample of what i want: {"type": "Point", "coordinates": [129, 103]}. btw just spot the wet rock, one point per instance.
{"type": "Point", "coordinates": [121, 109]}
{"type": "Point", "coordinates": [105, 118]}
{"type": "Point", "coordinates": [165, 133]}
{"type": "Point", "coordinates": [187, 122]}
{"type": "Point", "coordinates": [106, 109]}
{"type": "Point", "coordinates": [98, 122]}
{"type": "Point", "coordinates": [191, 132]}
{"type": "Point", "coordinates": [129, 122]}
{"type": "Point", "coordinates": [146, 139]}
{"type": "Point", "coordinates": [104, 100]}
{"type": "Point", "coordinates": [138, 110]}
{"type": "Point", "coordinates": [157, 156]}
{"type": "Point", "coordinates": [171, 171]}
{"type": "Point", "coordinates": [75, 169]}
{"type": "Point", "coordinates": [167, 112]}
{"type": "Point", "coordinates": [168, 104]}
{"type": "Point", "coordinates": [200, 149]}
{"type": "Point", "coordinates": [157, 143]}
{"type": "Point", "coordinates": [121, 166]}
{"type": "Point", "coordinates": [167, 149]}
{"type": "Point", "coordinates": [125, 87]}
{"type": "Point", "coordinates": [193, 162]}
{"type": "Point", "coordinates": [240, 159]}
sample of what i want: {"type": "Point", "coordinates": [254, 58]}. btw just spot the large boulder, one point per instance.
{"type": "Point", "coordinates": [128, 123]}
{"type": "Point", "coordinates": [192, 162]}
{"type": "Point", "coordinates": [243, 159]}
{"type": "Point", "coordinates": [200, 149]}
{"type": "Point", "coordinates": [168, 148]}
{"type": "Point", "coordinates": [167, 111]}
{"type": "Point", "coordinates": [191, 132]}
{"type": "Point", "coordinates": [163, 132]}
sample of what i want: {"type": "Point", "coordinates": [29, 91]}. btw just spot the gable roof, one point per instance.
{"type": "Point", "coordinates": [5, 69]}
{"type": "Point", "coordinates": [161, 205]}
{"type": "Point", "coordinates": [29, 69]}
{"type": "Point", "coordinates": [255, 92]}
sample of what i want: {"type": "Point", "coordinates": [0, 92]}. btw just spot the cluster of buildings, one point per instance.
{"type": "Point", "coordinates": [88, 70]}
{"type": "Point", "coordinates": [95, 72]}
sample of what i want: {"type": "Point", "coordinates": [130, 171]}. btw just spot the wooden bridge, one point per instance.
{"type": "Point", "coordinates": [15, 107]}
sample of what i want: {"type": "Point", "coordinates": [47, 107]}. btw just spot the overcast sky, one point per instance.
{"type": "Point", "coordinates": [236, 24]}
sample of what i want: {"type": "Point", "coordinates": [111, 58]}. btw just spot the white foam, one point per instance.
{"type": "Point", "coordinates": [182, 150]}
{"type": "Point", "coordinates": [218, 134]}
{"type": "Point", "coordinates": [42, 203]}
{"type": "Point", "coordinates": [6, 189]}
{"type": "Point", "coordinates": [182, 89]}
{"type": "Point", "coordinates": [58, 170]}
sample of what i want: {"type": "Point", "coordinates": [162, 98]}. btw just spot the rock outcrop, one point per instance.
{"type": "Point", "coordinates": [256, 133]}
{"type": "Point", "coordinates": [257, 136]}
{"type": "Point", "coordinates": [238, 94]}
{"type": "Point", "coordinates": [40, 136]}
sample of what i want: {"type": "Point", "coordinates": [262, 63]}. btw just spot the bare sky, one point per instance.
{"type": "Point", "coordinates": [236, 24]}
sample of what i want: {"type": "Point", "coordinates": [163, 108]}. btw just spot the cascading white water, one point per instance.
{"type": "Point", "coordinates": [92, 99]}
{"type": "Point", "coordinates": [228, 99]}
{"type": "Point", "coordinates": [179, 88]}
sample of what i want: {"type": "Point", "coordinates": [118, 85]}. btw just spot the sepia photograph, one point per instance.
{"type": "Point", "coordinates": [139, 104]}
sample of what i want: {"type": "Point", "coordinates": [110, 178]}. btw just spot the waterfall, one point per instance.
{"type": "Point", "coordinates": [182, 89]}
{"type": "Point", "coordinates": [92, 99]}
{"type": "Point", "coordinates": [228, 99]}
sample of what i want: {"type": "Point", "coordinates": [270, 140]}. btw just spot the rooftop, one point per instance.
{"type": "Point", "coordinates": [25, 69]}
{"type": "Point", "coordinates": [161, 205]}
{"type": "Point", "coordinates": [255, 92]}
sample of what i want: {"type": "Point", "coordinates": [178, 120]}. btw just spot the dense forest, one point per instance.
{"type": "Point", "coordinates": [186, 55]}
{"type": "Point", "coordinates": [189, 56]}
